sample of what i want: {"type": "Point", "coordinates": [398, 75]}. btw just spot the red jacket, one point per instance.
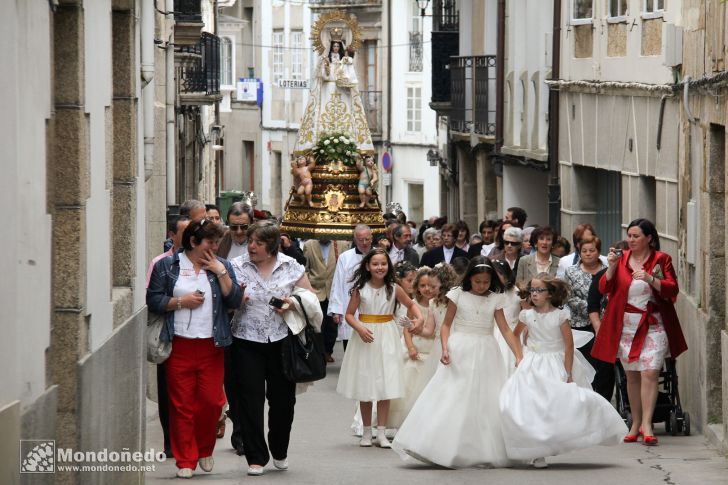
{"type": "Point", "coordinates": [607, 339]}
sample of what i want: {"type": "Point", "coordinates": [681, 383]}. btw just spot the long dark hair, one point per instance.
{"type": "Point", "coordinates": [648, 229]}
{"type": "Point", "coordinates": [501, 267]}
{"type": "Point", "coordinates": [481, 264]}
{"type": "Point", "coordinates": [362, 274]}
{"type": "Point", "coordinates": [341, 48]}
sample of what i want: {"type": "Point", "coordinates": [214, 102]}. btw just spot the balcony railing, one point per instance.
{"type": "Point", "coordinates": [372, 101]}
{"type": "Point", "coordinates": [344, 3]}
{"type": "Point", "coordinates": [415, 53]}
{"type": "Point", "coordinates": [187, 11]}
{"type": "Point", "coordinates": [472, 101]}
{"type": "Point", "coordinates": [202, 75]}
{"type": "Point", "coordinates": [445, 16]}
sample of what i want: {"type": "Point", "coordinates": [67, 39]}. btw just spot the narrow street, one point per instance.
{"type": "Point", "coordinates": [323, 451]}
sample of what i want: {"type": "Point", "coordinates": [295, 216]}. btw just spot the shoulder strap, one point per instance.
{"type": "Point", "coordinates": [303, 310]}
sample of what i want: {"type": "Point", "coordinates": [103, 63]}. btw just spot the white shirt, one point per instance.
{"type": "Point", "coordinates": [396, 255]}
{"type": "Point", "coordinates": [486, 249]}
{"type": "Point", "coordinates": [339, 297]}
{"type": "Point", "coordinates": [195, 323]}
{"type": "Point", "coordinates": [448, 253]}
{"type": "Point", "coordinates": [325, 248]}
{"type": "Point", "coordinates": [237, 250]}
{"type": "Point", "coordinates": [256, 320]}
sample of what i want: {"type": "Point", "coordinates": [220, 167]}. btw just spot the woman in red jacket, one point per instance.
{"type": "Point", "coordinates": [640, 325]}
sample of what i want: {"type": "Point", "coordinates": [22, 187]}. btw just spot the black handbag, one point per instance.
{"type": "Point", "coordinates": [302, 355]}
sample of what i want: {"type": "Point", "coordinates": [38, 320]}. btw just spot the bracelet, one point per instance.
{"type": "Point", "coordinates": [179, 303]}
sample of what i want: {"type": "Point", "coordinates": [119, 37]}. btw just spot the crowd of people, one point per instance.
{"type": "Point", "coordinates": [491, 348]}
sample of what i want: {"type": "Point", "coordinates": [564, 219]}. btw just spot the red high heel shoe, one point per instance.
{"type": "Point", "coordinates": [633, 438]}
{"type": "Point", "coordinates": [650, 440]}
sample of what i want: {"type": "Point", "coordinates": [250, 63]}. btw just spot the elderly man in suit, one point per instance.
{"type": "Point", "coordinates": [447, 252]}
{"type": "Point", "coordinates": [401, 249]}
{"type": "Point", "coordinates": [321, 257]}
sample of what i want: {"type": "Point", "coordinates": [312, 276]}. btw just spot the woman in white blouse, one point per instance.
{"type": "Point", "coordinates": [258, 331]}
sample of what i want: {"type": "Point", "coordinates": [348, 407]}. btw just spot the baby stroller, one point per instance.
{"type": "Point", "coordinates": [668, 409]}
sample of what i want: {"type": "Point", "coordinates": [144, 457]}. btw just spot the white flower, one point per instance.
{"type": "Point", "coordinates": [336, 140]}
{"type": "Point", "coordinates": [348, 153]}
{"type": "Point", "coordinates": [326, 142]}
{"type": "Point", "coordinates": [345, 140]}
{"type": "Point", "coordinates": [331, 150]}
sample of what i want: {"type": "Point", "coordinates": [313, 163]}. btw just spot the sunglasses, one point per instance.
{"type": "Point", "coordinates": [511, 243]}
{"type": "Point", "coordinates": [238, 227]}
{"type": "Point", "coordinates": [537, 290]}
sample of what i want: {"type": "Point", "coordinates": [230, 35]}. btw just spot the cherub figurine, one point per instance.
{"type": "Point", "coordinates": [303, 181]}
{"type": "Point", "coordinates": [368, 178]}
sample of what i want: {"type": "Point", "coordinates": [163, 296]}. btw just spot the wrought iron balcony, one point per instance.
{"type": "Point", "coordinates": [200, 76]}
{"type": "Point", "coordinates": [372, 102]}
{"type": "Point", "coordinates": [415, 53]}
{"type": "Point", "coordinates": [445, 16]}
{"type": "Point", "coordinates": [188, 21]}
{"type": "Point", "coordinates": [472, 101]}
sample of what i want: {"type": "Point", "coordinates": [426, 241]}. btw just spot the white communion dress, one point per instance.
{"type": "Point", "coordinates": [455, 423]}
{"type": "Point", "coordinates": [542, 415]}
{"type": "Point", "coordinates": [511, 309]}
{"type": "Point", "coordinates": [399, 408]}
{"type": "Point", "coordinates": [373, 371]}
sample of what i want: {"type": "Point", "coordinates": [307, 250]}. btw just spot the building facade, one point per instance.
{"type": "Point", "coordinates": [702, 215]}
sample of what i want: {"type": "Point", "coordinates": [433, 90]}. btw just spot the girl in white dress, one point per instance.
{"type": "Point", "coordinates": [416, 349]}
{"type": "Point", "coordinates": [548, 406]}
{"type": "Point", "coordinates": [511, 309]}
{"type": "Point", "coordinates": [455, 422]}
{"type": "Point", "coordinates": [372, 366]}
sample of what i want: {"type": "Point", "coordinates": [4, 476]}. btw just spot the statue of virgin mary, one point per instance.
{"type": "Point", "coordinates": [334, 103]}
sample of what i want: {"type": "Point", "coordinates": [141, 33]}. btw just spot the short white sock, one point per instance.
{"type": "Point", "coordinates": [381, 431]}
{"type": "Point", "coordinates": [367, 434]}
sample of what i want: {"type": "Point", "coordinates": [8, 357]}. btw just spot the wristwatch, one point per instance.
{"type": "Point", "coordinates": [222, 273]}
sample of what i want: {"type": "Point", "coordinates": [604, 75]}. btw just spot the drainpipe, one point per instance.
{"type": "Point", "coordinates": [147, 73]}
{"type": "Point", "coordinates": [170, 91]}
{"type": "Point", "coordinates": [500, 70]}
{"type": "Point", "coordinates": [554, 186]}
{"type": "Point", "coordinates": [390, 189]}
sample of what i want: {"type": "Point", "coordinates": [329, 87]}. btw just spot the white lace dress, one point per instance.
{"type": "Point", "coordinates": [656, 346]}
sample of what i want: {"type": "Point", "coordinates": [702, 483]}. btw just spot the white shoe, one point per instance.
{"type": "Point", "coordinates": [207, 463]}
{"type": "Point", "coordinates": [366, 442]}
{"type": "Point", "coordinates": [281, 464]}
{"type": "Point", "coordinates": [255, 470]}
{"type": "Point", "coordinates": [184, 473]}
{"type": "Point", "coordinates": [383, 442]}
{"type": "Point", "coordinates": [540, 463]}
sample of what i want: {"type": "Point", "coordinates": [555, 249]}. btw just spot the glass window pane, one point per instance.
{"type": "Point", "coordinates": [582, 9]}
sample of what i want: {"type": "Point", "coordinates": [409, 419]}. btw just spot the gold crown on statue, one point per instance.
{"type": "Point", "coordinates": [337, 34]}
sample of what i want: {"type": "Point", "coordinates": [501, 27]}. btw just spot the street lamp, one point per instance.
{"type": "Point", "coordinates": [422, 4]}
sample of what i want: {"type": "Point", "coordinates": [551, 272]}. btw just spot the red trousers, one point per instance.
{"type": "Point", "coordinates": [195, 374]}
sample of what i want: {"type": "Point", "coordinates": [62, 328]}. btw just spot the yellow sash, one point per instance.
{"type": "Point", "coordinates": [375, 318]}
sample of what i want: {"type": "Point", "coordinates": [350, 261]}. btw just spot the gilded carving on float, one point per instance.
{"type": "Point", "coordinates": [334, 166]}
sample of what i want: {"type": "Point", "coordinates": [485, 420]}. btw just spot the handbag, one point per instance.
{"type": "Point", "coordinates": [302, 355]}
{"type": "Point", "coordinates": [157, 351]}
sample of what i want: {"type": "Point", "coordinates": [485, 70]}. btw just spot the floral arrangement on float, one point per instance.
{"type": "Point", "coordinates": [335, 148]}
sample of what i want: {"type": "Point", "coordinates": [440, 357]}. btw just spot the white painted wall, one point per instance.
{"type": "Point", "coordinates": [26, 266]}
{"type": "Point", "coordinates": [526, 188]}
{"type": "Point", "coordinates": [632, 68]}
{"type": "Point", "coordinates": [409, 148]}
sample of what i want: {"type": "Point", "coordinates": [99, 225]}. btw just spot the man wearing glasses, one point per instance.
{"type": "Point", "coordinates": [235, 242]}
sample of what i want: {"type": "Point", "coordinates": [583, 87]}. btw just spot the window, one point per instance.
{"type": "Point", "coordinates": [654, 6]}
{"type": "Point", "coordinates": [371, 53]}
{"type": "Point", "coordinates": [617, 8]}
{"type": "Point", "coordinates": [226, 61]}
{"type": "Point", "coordinates": [297, 52]}
{"type": "Point", "coordinates": [415, 52]}
{"type": "Point", "coordinates": [277, 56]}
{"type": "Point", "coordinates": [414, 111]}
{"type": "Point", "coordinates": [582, 9]}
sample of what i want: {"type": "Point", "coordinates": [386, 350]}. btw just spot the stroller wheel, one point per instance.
{"type": "Point", "coordinates": [686, 424]}
{"type": "Point", "coordinates": [672, 420]}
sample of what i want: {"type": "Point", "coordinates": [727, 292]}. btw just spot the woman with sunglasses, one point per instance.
{"type": "Point", "coordinates": [511, 253]}
{"type": "Point", "coordinates": [193, 288]}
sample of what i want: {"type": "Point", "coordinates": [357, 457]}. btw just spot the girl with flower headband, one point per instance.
{"type": "Point", "coordinates": [548, 406]}
{"type": "Point", "coordinates": [455, 423]}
